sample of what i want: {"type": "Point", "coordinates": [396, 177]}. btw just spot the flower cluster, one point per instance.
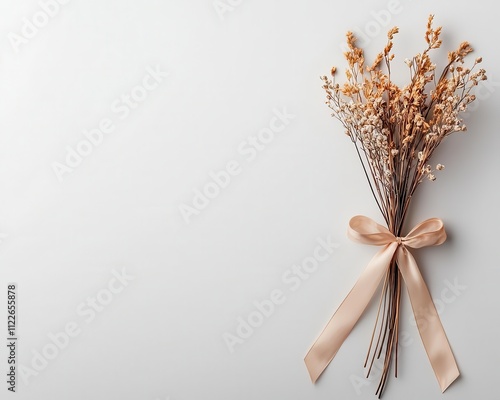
{"type": "Point", "coordinates": [398, 128]}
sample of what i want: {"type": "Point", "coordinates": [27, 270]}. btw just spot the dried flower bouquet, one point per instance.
{"type": "Point", "coordinates": [395, 131]}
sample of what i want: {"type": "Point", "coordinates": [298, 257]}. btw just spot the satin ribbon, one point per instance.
{"type": "Point", "coordinates": [366, 231]}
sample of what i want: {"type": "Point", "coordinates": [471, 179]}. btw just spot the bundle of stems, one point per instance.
{"type": "Point", "coordinates": [395, 130]}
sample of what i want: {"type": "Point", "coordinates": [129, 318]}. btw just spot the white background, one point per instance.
{"type": "Point", "coordinates": [161, 337]}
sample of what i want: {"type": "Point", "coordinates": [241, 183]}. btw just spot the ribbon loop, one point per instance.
{"type": "Point", "coordinates": [366, 231]}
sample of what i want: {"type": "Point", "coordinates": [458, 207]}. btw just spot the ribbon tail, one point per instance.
{"type": "Point", "coordinates": [342, 322]}
{"type": "Point", "coordinates": [429, 325]}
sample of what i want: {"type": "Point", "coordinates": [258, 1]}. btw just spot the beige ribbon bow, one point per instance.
{"type": "Point", "coordinates": [364, 230]}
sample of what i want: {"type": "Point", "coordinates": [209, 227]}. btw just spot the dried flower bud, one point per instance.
{"type": "Point", "coordinates": [392, 32]}
{"type": "Point", "coordinates": [440, 167]}
{"type": "Point", "coordinates": [333, 71]}
{"type": "Point", "coordinates": [431, 177]}
{"type": "Point", "coordinates": [479, 59]}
